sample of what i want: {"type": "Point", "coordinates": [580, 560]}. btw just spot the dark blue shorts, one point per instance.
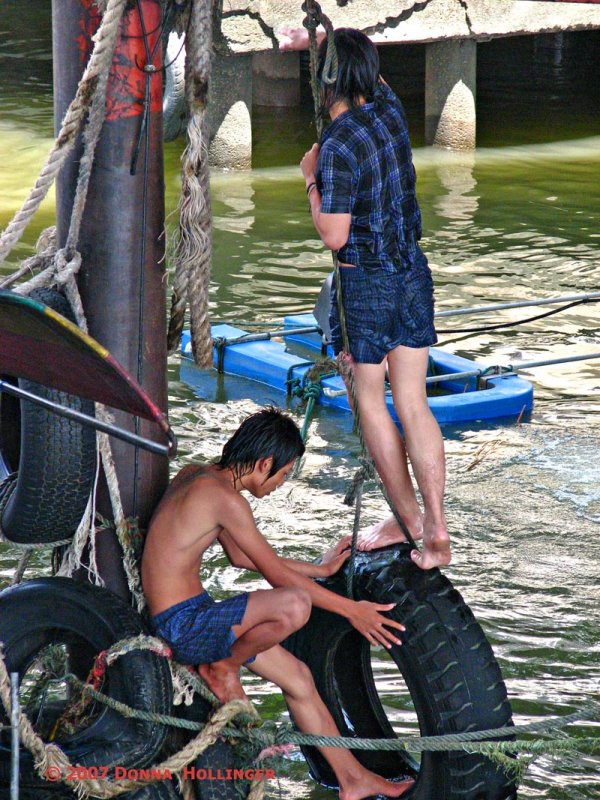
{"type": "Point", "coordinates": [384, 310]}
{"type": "Point", "coordinates": [198, 630]}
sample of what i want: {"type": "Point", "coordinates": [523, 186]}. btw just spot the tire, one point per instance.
{"type": "Point", "coordinates": [84, 620]}
{"type": "Point", "coordinates": [53, 466]}
{"type": "Point", "coordinates": [446, 662]}
{"type": "Point", "coordinates": [220, 756]}
{"type": "Point", "coordinates": [174, 105]}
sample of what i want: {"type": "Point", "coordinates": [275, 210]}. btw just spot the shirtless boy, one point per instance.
{"type": "Point", "coordinates": [204, 504]}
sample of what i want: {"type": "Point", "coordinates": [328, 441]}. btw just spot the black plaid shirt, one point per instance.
{"type": "Point", "coordinates": [365, 169]}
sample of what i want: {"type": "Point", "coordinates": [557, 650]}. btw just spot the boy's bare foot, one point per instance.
{"type": "Point", "coordinates": [369, 784]}
{"type": "Point", "coordinates": [223, 681]}
{"type": "Point", "coordinates": [436, 548]}
{"type": "Point", "coordinates": [387, 532]}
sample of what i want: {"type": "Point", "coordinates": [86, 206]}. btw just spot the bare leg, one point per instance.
{"type": "Point", "coordinates": [407, 371]}
{"type": "Point", "coordinates": [386, 447]}
{"type": "Point", "coordinates": [270, 617]}
{"type": "Point", "coordinates": [312, 716]}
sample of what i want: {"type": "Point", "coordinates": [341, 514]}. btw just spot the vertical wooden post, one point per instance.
{"type": "Point", "coordinates": [122, 235]}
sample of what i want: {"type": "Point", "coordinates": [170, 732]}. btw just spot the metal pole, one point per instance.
{"type": "Point", "coordinates": [266, 335]}
{"type": "Point", "coordinates": [548, 362]}
{"type": "Point", "coordinates": [486, 372]}
{"type": "Point", "coordinates": [122, 278]}
{"type": "Point", "coordinates": [84, 419]}
{"type": "Point", "coordinates": [571, 298]}
{"type": "Point", "coordinates": [14, 724]}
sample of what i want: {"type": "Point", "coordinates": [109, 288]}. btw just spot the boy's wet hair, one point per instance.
{"type": "Point", "coordinates": [358, 69]}
{"type": "Point", "coordinates": [267, 434]}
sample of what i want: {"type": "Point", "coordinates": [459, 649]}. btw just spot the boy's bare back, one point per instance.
{"type": "Point", "coordinates": [186, 522]}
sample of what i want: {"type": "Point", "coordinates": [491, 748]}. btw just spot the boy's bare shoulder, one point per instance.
{"type": "Point", "coordinates": [198, 484]}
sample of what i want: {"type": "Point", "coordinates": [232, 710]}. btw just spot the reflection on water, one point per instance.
{"type": "Point", "coordinates": [506, 223]}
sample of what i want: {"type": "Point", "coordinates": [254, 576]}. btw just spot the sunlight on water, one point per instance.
{"type": "Point", "coordinates": [523, 501]}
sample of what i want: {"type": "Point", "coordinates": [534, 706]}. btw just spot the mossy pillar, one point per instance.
{"type": "Point", "coordinates": [450, 88]}
{"type": "Point", "coordinates": [229, 110]}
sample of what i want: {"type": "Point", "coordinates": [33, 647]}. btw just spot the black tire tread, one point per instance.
{"type": "Point", "coordinates": [44, 501]}
{"type": "Point", "coordinates": [446, 661]}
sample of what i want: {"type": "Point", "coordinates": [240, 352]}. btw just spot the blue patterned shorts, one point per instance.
{"type": "Point", "coordinates": [384, 310]}
{"type": "Point", "coordinates": [198, 629]}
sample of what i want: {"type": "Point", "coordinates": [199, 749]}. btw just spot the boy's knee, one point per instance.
{"type": "Point", "coordinates": [297, 608]}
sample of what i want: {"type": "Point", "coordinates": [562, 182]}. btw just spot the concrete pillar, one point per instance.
{"type": "Point", "coordinates": [450, 83]}
{"type": "Point", "coordinates": [276, 79]}
{"type": "Point", "coordinates": [229, 111]}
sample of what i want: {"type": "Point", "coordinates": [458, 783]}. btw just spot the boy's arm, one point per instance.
{"type": "Point", "coordinates": [333, 228]}
{"type": "Point", "coordinates": [236, 516]}
{"type": "Point", "coordinates": [330, 563]}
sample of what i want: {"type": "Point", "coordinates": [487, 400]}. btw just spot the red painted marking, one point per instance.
{"type": "Point", "coordinates": [89, 22]}
{"type": "Point", "coordinates": [127, 80]}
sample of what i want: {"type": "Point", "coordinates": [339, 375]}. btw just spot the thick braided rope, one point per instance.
{"type": "Point", "coordinates": [267, 737]}
{"type": "Point", "coordinates": [193, 251]}
{"type": "Point", "coordinates": [104, 44]}
{"type": "Point", "coordinates": [413, 744]}
{"type": "Point", "coordinates": [67, 261]}
{"type": "Point", "coordinates": [91, 135]}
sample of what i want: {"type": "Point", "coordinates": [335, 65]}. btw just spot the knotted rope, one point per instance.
{"type": "Point", "coordinates": [193, 250]}
{"type": "Point", "coordinates": [314, 18]}
{"type": "Point", "coordinates": [276, 739]}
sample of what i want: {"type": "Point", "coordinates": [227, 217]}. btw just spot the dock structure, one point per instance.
{"type": "Point", "coordinates": [250, 67]}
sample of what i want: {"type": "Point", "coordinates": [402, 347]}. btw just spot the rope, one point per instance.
{"type": "Point", "coordinates": [100, 61]}
{"type": "Point", "coordinates": [45, 248]}
{"type": "Point", "coordinates": [193, 250]}
{"type": "Point", "coordinates": [500, 325]}
{"type": "Point", "coordinates": [314, 18]}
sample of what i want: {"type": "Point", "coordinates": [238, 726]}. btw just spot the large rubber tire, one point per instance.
{"type": "Point", "coordinates": [85, 619]}
{"type": "Point", "coordinates": [447, 665]}
{"type": "Point", "coordinates": [44, 498]}
{"type": "Point", "coordinates": [174, 105]}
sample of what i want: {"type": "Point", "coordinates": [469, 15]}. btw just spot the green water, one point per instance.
{"type": "Point", "coordinates": [516, 220]}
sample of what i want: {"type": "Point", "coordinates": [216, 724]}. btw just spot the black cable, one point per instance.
{"type": "Point", "coordinates": [500, 325]}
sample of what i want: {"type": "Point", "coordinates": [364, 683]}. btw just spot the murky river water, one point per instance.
{"type": "Point", "coordinates": [510, 222]}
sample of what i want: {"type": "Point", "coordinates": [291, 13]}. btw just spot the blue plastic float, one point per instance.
{"type": "Point", "coordinates": [272, 363]}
